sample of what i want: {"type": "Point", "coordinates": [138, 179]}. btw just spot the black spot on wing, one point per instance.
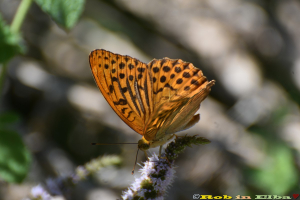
{"type": "Point", "coordinates": [136, 62]}
{"type": "Point", "coordinates": [140, 69]}
{"type": "Point", "coordinates": [123, 110]}
{"type": "Point", "coordinates": [163, 79]}
{"type": "Point", "coordinates": [169, 86]}
{"type": "Point", "coordinates": [152, 63]}
{"type": "Point", "coordinates": [129, 115]}
{"type": "Point", "coordinates": [186, 65]}
{"type": "Point", "coordinates": [154, 79]}
{"type": "Point", "coordinates": [195, 82]}
{"type": "Point", "coordinates": [158, 91]}
{"type": "Point", "coordinates": [122, 65]}
{"type": "Point", "coordinates": [179, 81]}
{"type": "Point", "coordinates": [130, 77]}
{"type": "Point", "coordinates": [111, 88]}
{"type": "Point", "coordinates": [175, 62]}
{"type": "Point", "coordinates": [177, 69]}
{"type": "Point", "coordinates": [155, 69]}
{"type": "Point", "coordinates": [140, 87]}
{"type": "Point", "coordinates": [120, 102]}
{"type": "Point", "coordinates": [130, 66]}
{"type": "Point", "coordinates": [124, 89]}
{"type": "Point", "coordinates": [122, 75]}
{"type": "Point", "coordinates": [166, 68]}
{"type": "Point", "coordinates": [163, 62]}
{"type": "Point", "coordinates": [186, 88]}
{"type": "Point", "coordinates": [186, 75]}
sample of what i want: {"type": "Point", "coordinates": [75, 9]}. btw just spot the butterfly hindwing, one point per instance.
{"type": "Point", "coordinates": [177, 83]}
{"type": "Point", "coordinates": [186, 117]}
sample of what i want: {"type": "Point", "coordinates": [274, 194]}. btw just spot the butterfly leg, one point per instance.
{"type": "Point", "coordinates": [160, 148]}
{"type": "Point", "coordinates": [178, 136]}
{"type": "Point", "coordinates": [145, 152]}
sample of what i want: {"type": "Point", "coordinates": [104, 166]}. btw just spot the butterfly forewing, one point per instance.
{"type": "Point", "coordinates": [127, 86]}
{"type": "Point", "coordinates": [144, 86]}
{"type": "Point", "coordinates": [117, 81]}
{"type": "Point", "coordinates": [130, 81]}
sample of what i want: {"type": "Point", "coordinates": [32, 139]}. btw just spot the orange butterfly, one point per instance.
{"type": "Point", "coordinates": [156, 99]}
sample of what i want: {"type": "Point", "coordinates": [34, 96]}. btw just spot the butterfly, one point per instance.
{"type": "Point", "coordinates": [156, 99]}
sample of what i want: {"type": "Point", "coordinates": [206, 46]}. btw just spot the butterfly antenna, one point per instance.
{"type": "Point", "coordinates": [111, 143]}
{"type": "Point", "coordinates": [135, 161]}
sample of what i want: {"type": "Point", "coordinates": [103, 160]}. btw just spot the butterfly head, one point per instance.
{"type": "Point", "coordinates": [143, 144]}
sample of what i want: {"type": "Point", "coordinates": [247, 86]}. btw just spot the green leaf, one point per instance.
{"type": "Point", "coordinates": [64, 12]}
{"type": "Point", "coordinates": [9, 42]}
{"type": "Point", "coordinates": [8, 118]}
{"type": "Point", "coordinates": [14, 157]}
{"type": "Point", "coordinates": [278, 174]}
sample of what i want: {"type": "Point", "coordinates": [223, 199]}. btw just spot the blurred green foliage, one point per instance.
{"type": "Point", "coordinates": [9, 42]}
{"type": "Point", "coordinates": [277, 174]}
{"type": "Point", "coordinates": [64, 12]}
{"type": "Point", "coordinates": [14, 156]}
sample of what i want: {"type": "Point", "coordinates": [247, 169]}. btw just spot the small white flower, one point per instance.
{"type": "Point", "coordinates": [157, 176]}
{"type": "Point", "coordinates": [38, 192]}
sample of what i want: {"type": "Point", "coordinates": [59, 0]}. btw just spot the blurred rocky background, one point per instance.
{"type": "Point", "coordinates": [252, 116]}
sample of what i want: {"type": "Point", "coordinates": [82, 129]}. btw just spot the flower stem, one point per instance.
{"type": "Point", "coordinates": [20, 15]}
{"type": "Point", "coordinates": [158, 173]}
{"type": "Point", "coordinates": [3, 69]}
{"type": "Point", "coordinates": [14, 28]}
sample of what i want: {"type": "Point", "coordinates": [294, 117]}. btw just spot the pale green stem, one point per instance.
{"type": "Point", "coordinates": [20, 15]}
{"type": "Point", "coordinates": [15, 27]}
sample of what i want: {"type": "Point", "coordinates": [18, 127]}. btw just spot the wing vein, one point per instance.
{"type": "Point", "coordinates": [146, 92]}
{"type": "Point", "coordinates": [139, 97]}
{"type": "Point", "coordinates": [131, 96]}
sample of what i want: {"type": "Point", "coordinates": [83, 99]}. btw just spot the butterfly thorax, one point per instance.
{"type": "Point", "coordinates": [144, 144]}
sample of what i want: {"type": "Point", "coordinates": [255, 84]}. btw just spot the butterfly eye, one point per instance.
{"type": "Point", "coordinates": [143, 145]}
